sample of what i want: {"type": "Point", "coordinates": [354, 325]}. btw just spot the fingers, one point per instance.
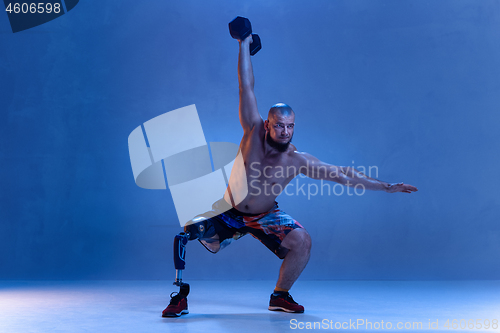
{"type": "Point", "coordinates": [407, 188]}
{"type": "Point", "coordinates": [401, 187]}
{"type": "Point", "coordinates": [248, 40]}
{"type": "Point", "coordinates": [410, 189]}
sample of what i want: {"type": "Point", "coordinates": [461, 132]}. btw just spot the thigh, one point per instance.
{"type": "Point", "coordinates": [272, 229]}
{"type": "Point", "coordinates": [297, 239]}
{"type": "Point", "coordinates": [215, 232]}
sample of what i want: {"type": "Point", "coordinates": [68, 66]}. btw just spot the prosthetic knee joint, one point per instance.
{"type": "Point", "coordinates": [200, 228]}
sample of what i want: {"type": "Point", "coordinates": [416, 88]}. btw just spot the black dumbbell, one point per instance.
{"type": "Point", "coordinates": [240, 28]}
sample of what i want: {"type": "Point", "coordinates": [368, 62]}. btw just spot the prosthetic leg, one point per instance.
{"type": "Point", "coordinates": [178, 303]}
{"type": "Point", "coordinates": [200, 228]}
{"type": "Point", "coordinates": [180, 242]}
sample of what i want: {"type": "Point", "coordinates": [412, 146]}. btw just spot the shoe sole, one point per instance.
{"type": "Point", "coordinates": [279, 308]}
{"type": "Point", "coordinates": [172, 314]}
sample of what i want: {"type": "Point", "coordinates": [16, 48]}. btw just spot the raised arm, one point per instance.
{"type": "Point", "coordinates": [312, 167]}
{"type": "Point", "coordinates": [249, 114]}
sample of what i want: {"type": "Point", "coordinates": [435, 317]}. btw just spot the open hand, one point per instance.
{"type": "Point", "coordinates": [400, 187]}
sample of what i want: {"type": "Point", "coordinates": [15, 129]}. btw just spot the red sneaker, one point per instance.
{"type": "Point", "coordinates": [284, 302]}
{"type": "Point", "coordinates": [177, 307]}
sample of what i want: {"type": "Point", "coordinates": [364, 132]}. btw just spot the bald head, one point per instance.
{"type": "Point", "coordinates": [280, 109]}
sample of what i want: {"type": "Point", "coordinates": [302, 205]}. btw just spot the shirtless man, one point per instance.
{"type": "Point", "coordinates": [268, 163]}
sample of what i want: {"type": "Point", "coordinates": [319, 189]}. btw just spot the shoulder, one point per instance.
{"type": "Point", "coordinates": [295, 153]}
{"type": "Point", "coordinates": [300, 158]}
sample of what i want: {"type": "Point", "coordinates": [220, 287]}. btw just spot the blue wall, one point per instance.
{"type": "Point", "coordinates": [411, 87]}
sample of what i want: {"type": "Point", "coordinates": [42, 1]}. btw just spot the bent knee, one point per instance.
{"type": "Point", "coordinates": [306, 240]}
{"type": "Point", "coordinates": [298, 239]}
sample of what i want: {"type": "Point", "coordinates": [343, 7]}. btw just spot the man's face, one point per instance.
{"type": "Point", "coordinates": [279, 130]}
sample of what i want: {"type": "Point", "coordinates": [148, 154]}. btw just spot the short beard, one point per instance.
{"type": "Point", "coordinates": [281, 147]}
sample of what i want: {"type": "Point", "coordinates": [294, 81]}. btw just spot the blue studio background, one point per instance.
{"type": "Point", "coordinates": [411, 87]}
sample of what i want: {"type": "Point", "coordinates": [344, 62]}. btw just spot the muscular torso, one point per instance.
{"type": "Point", "coordinates": [267, 172]}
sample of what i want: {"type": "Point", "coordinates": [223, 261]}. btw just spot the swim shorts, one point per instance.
{"type": "Point", "coordinates": [228, 224]}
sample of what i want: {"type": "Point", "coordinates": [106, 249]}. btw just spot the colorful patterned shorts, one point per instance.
{"type": "Point", "coordinates": [270, 227]}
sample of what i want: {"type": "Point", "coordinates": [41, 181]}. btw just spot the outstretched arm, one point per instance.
{"type": "Point", "coordinates": [249, 114]}
{"type": "Point", "coordinates": [363, 179]}
{"type": "Point", "coordinates": [348, 176]}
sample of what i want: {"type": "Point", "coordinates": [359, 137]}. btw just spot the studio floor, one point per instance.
{"type": "Point", "coordinates": [241, 306]}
